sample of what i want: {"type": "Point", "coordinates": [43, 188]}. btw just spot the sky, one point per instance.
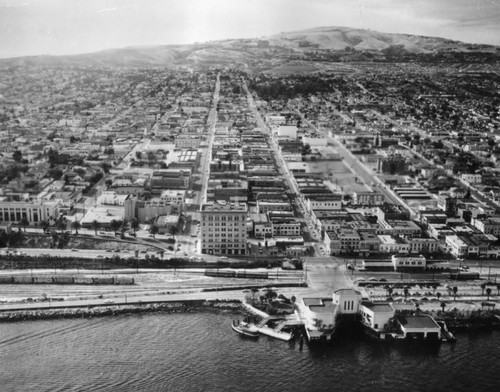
{"type": "Point", "coordinates": [55, 27]}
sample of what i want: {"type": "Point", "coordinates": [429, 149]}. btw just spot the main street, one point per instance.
{"type": "Point", "coordinates": [280, 162]}
{"type": "Point", "coordinates": [207, 158]}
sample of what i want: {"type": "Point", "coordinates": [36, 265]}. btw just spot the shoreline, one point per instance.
{"type": "Point", "coordinates": [180, 306]}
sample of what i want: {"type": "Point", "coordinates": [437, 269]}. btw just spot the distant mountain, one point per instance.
{"type": "Point", "coordinates": [340, 38]}
{"type": "Point", "coordinates": [266, 50]}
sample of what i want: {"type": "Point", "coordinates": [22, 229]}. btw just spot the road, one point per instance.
{"type": "Point", "coordinates": [282, 167]}
{"type": "Point", "coordinates": [366, 175]}
{"type": "Point", "coordinates": [205, 163]}
{"type": "Point", "coordinates": [326, 274]}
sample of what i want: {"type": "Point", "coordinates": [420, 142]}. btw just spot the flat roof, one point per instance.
{"type": "Point", "coordinates": [327, 306]}
{"type": "Point", "coordinates": [417, 322]}
{"type": "Point", "coordinates": [378, 307]}
{"type": "Point", "coordinates": [217, 207]}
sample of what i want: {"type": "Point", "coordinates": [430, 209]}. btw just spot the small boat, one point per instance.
{"type": "Point", "coordinates": [245, 329]}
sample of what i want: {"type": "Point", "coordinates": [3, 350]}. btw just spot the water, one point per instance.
{"type": "Point", "coordinates": [200, 352]}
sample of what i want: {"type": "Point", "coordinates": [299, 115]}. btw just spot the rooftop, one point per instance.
{"type": "Point", "coordinates": [221, 207]}
{"type": "Point", "coordinates": [378, 307]}
{"type": "Point", "coordinates": [418, 322]}
{"type": "Point", "coordinates": [320, 305]}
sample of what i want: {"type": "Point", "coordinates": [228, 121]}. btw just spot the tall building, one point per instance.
{"type": "Point", "coordinates": [223, 228]}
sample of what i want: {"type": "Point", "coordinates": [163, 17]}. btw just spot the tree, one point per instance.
{"type": "Point", "coordinates": [162, 253]}
{"type": "Point", "coordinates": [123, 228]}
{"type": "Point", "coordinates": [44, 225]}
{"type": "Point", "coordinates": [455, 290]}
{"type": "Point", "coordinates": [61, 223]}
{"type": "Point", "coordinates": [17, 156]}
{"type": "Point", "coordinates": [75, 225]}
{"type": "Point", "coordinates": [488, 293]}
{"type": "Point", "coordinates": [134, 225]}
{"type": "Point", "coordinates": [406, 292]}
{"type": "Point", "coordinates": [63, 240]}
{"type": "Point", "coordinates": [498, 289]}
{"type": "Point", "coordinates": [95, 226]}
{"type": "Point", "coordinates": [153, 230]}
{"type": "Point", "coordinates": [173, 230]}
{"type": "Point", "coordinates": [55, 173]}
{"type": "Point", "coordinates": [389, 291]}
{"type": "Point", "coordinates": [443, 305]}
{"type": "Point", "coordinates": [438, 295]}
{"type": "Point", "coordinates": [115, 225]}
{"type": "Point", "coordinates": [23, 223]}
{"type": "Point", "coordinates": [105, 167]}
{"type": "Point", "coordinates": [483, 286]}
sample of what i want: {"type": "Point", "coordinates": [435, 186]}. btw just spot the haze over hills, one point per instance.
{"type": "Point", "coordinates": [339, 38]}
{"type": "Point", "coordinates": [246, 52]}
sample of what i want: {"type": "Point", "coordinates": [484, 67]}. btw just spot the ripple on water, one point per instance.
{"type": "Point", "coordinates": [200, 352]}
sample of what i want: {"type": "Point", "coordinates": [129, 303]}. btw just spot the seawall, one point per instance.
{"type": "Point", "coordinates": [106, 310]}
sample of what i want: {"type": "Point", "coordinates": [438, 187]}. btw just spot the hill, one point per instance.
{"type": "Point", "coordinates": [340, 44]}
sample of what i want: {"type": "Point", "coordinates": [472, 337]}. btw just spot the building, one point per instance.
{"type": "Point", "coordinates": [223, 228]}
{"type": "Point", "coordinates": [390, 244]}
{"type": "Point", "coordinates": [376, 316]}
{"type": "Point", "coordinates": [456, 246]}
{"type": "Point", "coordinates": [288, 131]}
{"type": "Point", "coordinates": [17, 207]}
{"type": "Point", "coordinates": [286, 227]}
{"type": "Point", "coordinates": [472, 178]}
{"type": "Point", "coordinates": [419, 327]}
{"type": "Point", "coordinates": [262, 227]}
{"type": "Point", "coordinates": [368, 198]}
{"type": "Point", "coordinates": [487, 225]}
{"type": "Point", "coordinates": [170, 179]}
{"type": "Point", "coordinates": [408, 262]}
{"type": "Point", "coordinates": [183, 141]}
{"type": "Point", "coordinates": [323, 202]}
{"type": "Point", "coordinates": [320, 315]}
{"type": "Point", "coordinates": [392, 212]}
{"type": "Point", "coordinates": [423, 245]}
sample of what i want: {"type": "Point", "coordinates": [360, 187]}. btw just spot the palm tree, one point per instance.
{"type": "Point", "coordinates": [23, 223]}
{"type": "Point", "coordinates": [488, 293]}
{"type": "Point", "coordinates": [95, 226]}
{"type": "Point", "coordinates": [76, 225]}
{"type": "Point", "coordinates": [389, 291]}
{"type": "Point", "coordinates": [134, 224]}
{"type": "Point", "coordinates": [443, 305]}
{"type": "Point", "coordinates": [406, 292]}
{"type": "Point", "coordinates": [455, 289]}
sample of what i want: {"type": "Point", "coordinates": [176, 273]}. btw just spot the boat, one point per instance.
{"type": "Point", "coordinates": [245, 329]}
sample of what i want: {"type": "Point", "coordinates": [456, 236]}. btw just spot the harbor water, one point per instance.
{"type": "Point", "coordinates": [200, 352]}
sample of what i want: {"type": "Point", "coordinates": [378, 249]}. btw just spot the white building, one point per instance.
{"type": "Point", "coordinates": [288, 131]}
{"type": "Point", "coordinates": [472, 178]}
{"type": "Point", "coordinates": [223, 228]}
{"type": "Point", "coordinates": [456, 246]}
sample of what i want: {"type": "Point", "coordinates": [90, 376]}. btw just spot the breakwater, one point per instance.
{"type": "Point", "coordinates": [471, 320]}
{"type": "Point", "coordinates": [114, 310]}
